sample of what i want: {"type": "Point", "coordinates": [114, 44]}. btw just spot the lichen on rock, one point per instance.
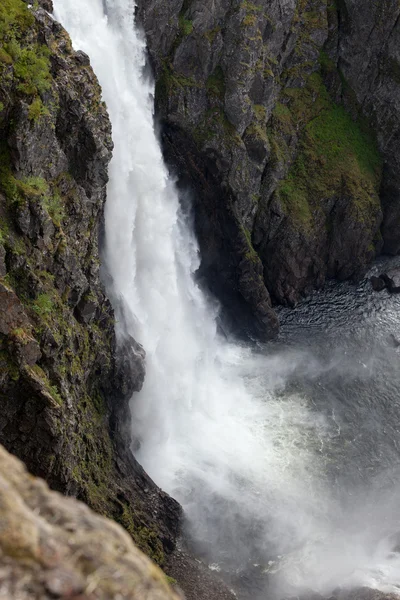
{"type": "Point", "coordinates": [56, 547]}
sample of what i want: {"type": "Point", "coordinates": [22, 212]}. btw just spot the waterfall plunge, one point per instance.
{"type": "Point", "coordinates": [242, 461]}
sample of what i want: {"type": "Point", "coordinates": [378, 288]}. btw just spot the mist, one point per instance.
{"type": "Point", "coordinates": [245, 438]}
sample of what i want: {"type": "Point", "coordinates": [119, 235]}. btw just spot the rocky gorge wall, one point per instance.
{"type": "Point", "coordinates": [65, 384]}
{"type": "Point", "coordinates": [282, 119]}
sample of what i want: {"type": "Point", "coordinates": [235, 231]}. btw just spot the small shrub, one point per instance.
{"type": "Point", "coordinates": [43, 305]}
{"type": "Point", "coordinates": [37, 110]}
{"type": "Point", "coordinates": [185, 25]}
{"type": "Point", "coordinates": [32, 68]}
{"type": "Point", "coordinates": [55, 208]}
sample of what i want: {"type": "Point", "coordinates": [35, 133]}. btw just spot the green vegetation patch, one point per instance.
{"type": "Point", "coordinates": [216, 84]}
{"type": "Point", "coordinates": [19, 49]}
{"type": "Point", "coordinates": [15, 19]}
{"type": "Point", "coordinates": [216, 126]}
{"type": "Point", "coordinates": [19, 192]}
{"type": "Point", "coordinates": [185, 25]}
{"type": "Point", "coordinates": [337, 155]}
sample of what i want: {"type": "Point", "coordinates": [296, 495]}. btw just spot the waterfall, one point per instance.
{"type": "Point", "coordinates": [215, 430]}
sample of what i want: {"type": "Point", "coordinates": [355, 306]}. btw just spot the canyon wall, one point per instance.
{"type": "Point", "coordinates": [282, 119]}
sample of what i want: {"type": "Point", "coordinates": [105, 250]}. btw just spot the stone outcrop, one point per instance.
{"type": "Point", "coordinates": [282, 119]}
{"type": "Point", "coordinates": [55, 547]}
{"type": "Point", "coordinates": [65, 384]}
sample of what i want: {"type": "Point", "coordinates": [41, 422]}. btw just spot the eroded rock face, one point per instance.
{"type": "Point", "coordinates": [286, 130]}
{"type": "Point", "coordinates": [55, 547]}
{"type": "Point", "coordinates": [64, 383]}
{"type": "Point", "coordinates": [368, 55]}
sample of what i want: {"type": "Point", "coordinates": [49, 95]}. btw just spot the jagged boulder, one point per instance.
{"type": "Point", "coordinates": [56, 547]}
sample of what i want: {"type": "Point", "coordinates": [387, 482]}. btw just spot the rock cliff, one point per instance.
{"type": "Point", "coordinates": [282, 118]}
{"type": "Point", "coordinates": [65, 384]}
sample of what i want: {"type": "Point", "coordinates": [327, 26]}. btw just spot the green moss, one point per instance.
{"type": "Point", "coordinates": [336, 155]}
{"type": "Point", "coordinates": [326, 63]}
{"type": "Point", "coordinates": [250, 20]}
{"type": "Point", "coordinates": [32, 69]}
{"type": "Point", "coordinates": [185, 25]}
{"type": "Point", "coordinates": [18, 191]}
{"type": "Point", "coordinates": [15, 19]}
{"type": "Point", "coordinates": [282, 113]}
{"type": "Point", "coordinates": [37, 189]}
{"type": "Point", "coordinates": [250, 6]}
{"type": "Point", "coordinates": [170, 83]}
{"type": "Point", "coordinates": [260, 112]}
{"type": "Point", "coordinates": [251, 254]}
{"type": "Point", "coordinates": [29, 59]}
{"type": "Point", "coordinates": [43, 305]}
{"type": "Point", "coordinates": [211, 34]}
{"type": "Point", "coordinates": [146, 538]}
{"type": "Point", "coordinates": [8, 367]}
{"type": "Point", "coordinates": [216, 83]}
{"type": "Point", "coordinates": [55, 207]}
{"type": "Point", "coordinates": [50, 389]}
{"type": "Point", "coordinates": [258, 131]}
{"type": "Point", "coordinates": [37, 110]}
{"type": "Point", "coordinates": [216, 126]}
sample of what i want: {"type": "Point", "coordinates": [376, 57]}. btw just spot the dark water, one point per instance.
{"type": "Point", "coordinates": [349, 339]}
{"type": "Point", "coordinates": [354, 334]}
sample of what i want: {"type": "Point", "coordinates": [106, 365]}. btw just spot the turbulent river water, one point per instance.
{"type": "Point", "coordinates": [284, 456]}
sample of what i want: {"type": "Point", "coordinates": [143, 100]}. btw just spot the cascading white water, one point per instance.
{"type": "Point", "coordinates": [214, 431]}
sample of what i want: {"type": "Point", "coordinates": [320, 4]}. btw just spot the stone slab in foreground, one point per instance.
{"type": "Point", "coordinates": [56, 547]}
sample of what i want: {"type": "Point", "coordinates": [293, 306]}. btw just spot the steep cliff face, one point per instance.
{"type": "Point", "coordinates": [273, 115]}
{"type": "Point", "coordinates": [64, 382]}
{"type": "Point", "coordinates": [365, 45]}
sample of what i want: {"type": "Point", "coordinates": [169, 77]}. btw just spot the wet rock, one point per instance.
{"type": "Point", "coordinates": [47, 5]}
{"type": "Point", "coordinates": [363, 593]}
{"type": "Point", "coordinates": [378, 284]}
{"type": "Point", "coordinates": [12, 313]}
{"type": "Point", "coordinates": [395, 343]}
{"type": "Point", "coordinates": [131, 367]}
{"type": "Point", "coordinates": [390, 284]}
{"type": "Point", "coordinates": [86, 309]}
{"type": "Point", "coordinates": [195, 579]}
{"type": "Point", "coordinates": [82, 58]}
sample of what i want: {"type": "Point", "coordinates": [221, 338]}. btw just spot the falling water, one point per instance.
{"type": "Point", "coordinates": [218, 425]}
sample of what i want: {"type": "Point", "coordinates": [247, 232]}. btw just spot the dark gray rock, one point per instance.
{"type": "Point", "coordinates": [238, 87]}
{"type": "Point", "coordinates": [378, 284]}
{"type": "Point", "coordinates": [3, 268]}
